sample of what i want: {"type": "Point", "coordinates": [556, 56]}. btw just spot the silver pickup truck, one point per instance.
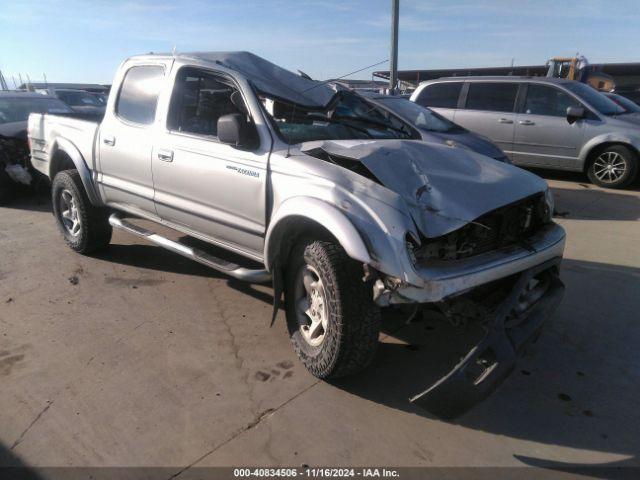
{"type": "Point", "coordinates": [336, 201]}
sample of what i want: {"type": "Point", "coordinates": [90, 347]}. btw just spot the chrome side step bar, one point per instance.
{"type": "Point", "coordinates": [224, 266]}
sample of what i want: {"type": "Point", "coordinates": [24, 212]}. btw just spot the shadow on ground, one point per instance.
{"type": "Point", "coordinates": [572, 388]}
{"type": "Point", "coordinates": [36, 198]}
{"type": "Point", "coordinates": [12, 467]}
{"type": "Point", "coordinates": [156, 258]}
{"type": "Point", "coordinates": [592, 203]}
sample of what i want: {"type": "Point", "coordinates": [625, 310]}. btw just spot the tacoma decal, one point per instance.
{"type": "Point", "coordinates": [244, 171]}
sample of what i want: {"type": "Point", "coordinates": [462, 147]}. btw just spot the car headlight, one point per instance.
{"type": "Point", "coordinates": [549, 204]}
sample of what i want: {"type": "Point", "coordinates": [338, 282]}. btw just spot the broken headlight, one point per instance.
{"type": "Point", "coordinates": [549, 204]}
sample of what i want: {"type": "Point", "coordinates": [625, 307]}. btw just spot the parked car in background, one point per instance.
{"type": "Point", "coordinates": [81, 101]}
{"type": "Point", "coordinates": [435, 128]}
{"type": "Point", "coordinates": [543, 122]}
{"type": "Point", "coordinates": [102, 98]}
{"type": "Point", "coordinates": [339, 203]}
{"type": "Point", "coordinates": [15, 107]}
{"type": "Point", "coordinates": [629, 105]}
{"type": "Point", "coordinates": [630, 92]}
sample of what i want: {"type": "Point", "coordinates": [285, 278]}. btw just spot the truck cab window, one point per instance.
{"type": "Point", "coordinates": [199, 99]}
{"type": "Point", "coordinates": [138, 95]}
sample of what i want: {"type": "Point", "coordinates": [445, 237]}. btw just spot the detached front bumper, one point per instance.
{"type": "Point", "coordinates": [441, 279]}
{"type": "Point", "coordinates": [534, 295]}
{"type": "Point", "coordinates": [517, 321]}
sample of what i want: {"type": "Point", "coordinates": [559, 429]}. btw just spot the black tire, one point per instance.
{"type": "Point", "coordinates": [94, 231]}
{"type": "Point", "coordinates": [6, 186]}
{"type": "Point", "coordinates": [619, 155]}
{"type": "Point", "coordinates": [353, 319]}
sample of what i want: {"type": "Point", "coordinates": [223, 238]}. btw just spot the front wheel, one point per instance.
{"type": "Point", "coordinates": [332, 319]}
{"type": "Point", "coordinates": [614, 167]}
{"type": "Point", "coordinates": [85, 228]}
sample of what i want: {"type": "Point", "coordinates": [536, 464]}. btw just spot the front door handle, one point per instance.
{"type": "Point", "coordinates": [165, 155]}
{"type": "Point", "coordinates": [109, 140]}
{"type": "Point", "coordinates": [505, 120]}
{"type": "Point", "coordinates": [526, 122]}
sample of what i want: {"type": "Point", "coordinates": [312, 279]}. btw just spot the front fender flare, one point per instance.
{"type": "Point", "coordinates": [324, 215]}
{"type": "Point", "coordinates": [66, 146]}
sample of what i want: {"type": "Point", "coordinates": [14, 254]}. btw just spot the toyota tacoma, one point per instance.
{"type": "Point", "coordinates": [335, 200]}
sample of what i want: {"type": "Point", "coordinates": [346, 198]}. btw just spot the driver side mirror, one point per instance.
{"type": "Point", "coordinates": [574, 114]}
{"type": "Point", "coordinates": [235, 130]}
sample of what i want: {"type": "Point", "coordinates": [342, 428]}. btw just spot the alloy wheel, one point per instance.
{"type": "Point", "coordinates": [311, 305]}
{"type": "Point", "coordinates": [69, 214]}
{"type": "Point", "coordinates": [610, 167]}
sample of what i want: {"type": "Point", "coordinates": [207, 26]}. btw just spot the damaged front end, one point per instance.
{"type": "Point", "coordinates": [479, 244]}
{"type": "Point", "coordinates": [511, 323]}
{"type": "Point", "coordinates": [500, 270]}
{"type": "Point", "coordinates": [511, 290]}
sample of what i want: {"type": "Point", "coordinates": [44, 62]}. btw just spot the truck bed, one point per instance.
{"type": "Point", "coordinates": [46, 131]}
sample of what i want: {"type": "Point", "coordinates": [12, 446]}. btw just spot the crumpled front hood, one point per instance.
{"type": "Point", "coordinates": [444, 187]}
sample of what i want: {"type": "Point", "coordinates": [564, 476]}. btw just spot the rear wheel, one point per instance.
{"type": "Point", "coordinates": [332, 319]}
{"type": "Point", "coordinates": [614, 167]}
{"type": "Point", "coordinates": [85, 228]}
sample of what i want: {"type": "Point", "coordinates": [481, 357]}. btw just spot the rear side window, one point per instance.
{"type": "Point", "coordinates": [543, 100]}
{"type": "Point", "coordinates": [440, 95]}
{"type": "Point", "coordinates": [492, 97]}
{"type": "Point", "coordinates": [139, 94]}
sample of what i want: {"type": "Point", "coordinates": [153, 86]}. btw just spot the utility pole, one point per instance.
{"type": "Point", "coordinates": [393, 57]}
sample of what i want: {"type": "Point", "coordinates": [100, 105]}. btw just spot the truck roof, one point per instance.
{"type": "Point", "coordinates": [265, 76]}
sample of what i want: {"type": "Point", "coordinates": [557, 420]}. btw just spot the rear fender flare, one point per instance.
{"type": "Point", "coordinates": [65, 146]}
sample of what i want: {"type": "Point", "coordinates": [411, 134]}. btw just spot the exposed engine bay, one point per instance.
{"type": "Point", "coordinates": [505, 226]}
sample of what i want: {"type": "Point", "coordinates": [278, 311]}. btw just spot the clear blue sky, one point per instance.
{"type": "Point", "coordinates": [82, 40]}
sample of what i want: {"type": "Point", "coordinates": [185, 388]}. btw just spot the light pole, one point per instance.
{"type": "Point", "coordinates": [393, 57]}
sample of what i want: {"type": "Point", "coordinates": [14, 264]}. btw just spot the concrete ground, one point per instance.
{"type": "Point", "coordinates": [139, 357]}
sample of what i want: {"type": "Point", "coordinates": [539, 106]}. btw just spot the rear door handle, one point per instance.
{"type": "Point", "coordinates": [526, 122]}
{"type": "Point", "coordinates": [111, 141]}
{"type": "Point", "coordinates": [165, 155]}
{"type": "Point", "coordinates": [505, 120]}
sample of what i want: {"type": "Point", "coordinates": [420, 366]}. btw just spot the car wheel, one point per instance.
{"type": "Point", "coordinates": [613, 167]}
{"type": "Point", "coordinates": [85, 228]}
{"type": "Point", "coordinates": [332, 319]}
